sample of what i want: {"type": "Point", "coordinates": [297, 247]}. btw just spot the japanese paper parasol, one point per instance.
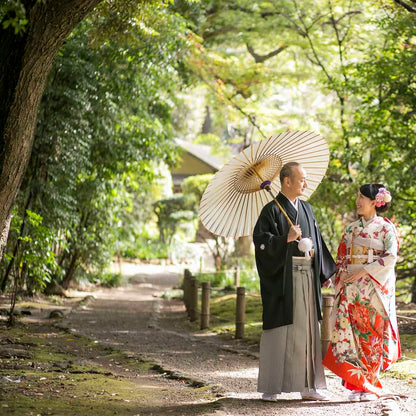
{"type": "Point", "coordinates": [232, 201]}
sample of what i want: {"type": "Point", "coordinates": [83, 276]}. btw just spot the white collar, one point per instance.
{"type": "Point", "coordinates": [295, 204]}
{"type": "Point", "coordinates": [366, 222]}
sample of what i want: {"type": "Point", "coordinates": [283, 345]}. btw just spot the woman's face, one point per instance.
{"type": "Point", "coordinates": [366, 207]}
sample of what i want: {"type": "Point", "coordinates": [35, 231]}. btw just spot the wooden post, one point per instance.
{"type": "Point", "coordinates": [326, 330]}
{"type": "Point", "coordinates": [205, 298]}
{"type": "Point", "coordinates": [193, 300]}
{"type": "Point", "coordinates": [186, 288]}
{"type": "Point", "coordinates": [217, 263]}
{"type": "Point", "coordinates": [120, 269]}
{"type": "Point", "coordinates": [237, 276]}
{"type": "Point", "coordinates": [240, 312]}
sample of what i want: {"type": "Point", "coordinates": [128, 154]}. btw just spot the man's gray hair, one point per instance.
{"type": "Point", "coordinates": [286, 171]}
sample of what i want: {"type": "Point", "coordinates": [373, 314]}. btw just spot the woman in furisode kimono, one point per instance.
{"type": "Point", "coordinates": [365, 337]}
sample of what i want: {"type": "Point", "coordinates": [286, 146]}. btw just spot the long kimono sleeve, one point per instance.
{"type": "Point", "coordinates": [341, 261]}
{"type": "Point", "coordinates": [270, 243]}
{"type": "Point", "coordinates": [383, 268]}
{"type": "Point", "coordinates": [327, 264]}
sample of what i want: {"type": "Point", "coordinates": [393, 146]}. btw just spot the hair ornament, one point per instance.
{"type": "Point", "coordinates": [383, 196]}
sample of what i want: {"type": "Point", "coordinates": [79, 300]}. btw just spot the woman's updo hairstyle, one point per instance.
{"type": "Point", "coordinates": [377, 191]}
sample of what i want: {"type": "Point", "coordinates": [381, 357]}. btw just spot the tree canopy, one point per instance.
{"type": "Point", "coordinates": [132, 76]}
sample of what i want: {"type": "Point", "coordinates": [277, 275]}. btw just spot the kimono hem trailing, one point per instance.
{"type": "Point", "coordinates": [365, 337]}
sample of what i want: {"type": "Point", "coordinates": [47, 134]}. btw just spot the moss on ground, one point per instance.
{"type": "Point", "coordinates": [48, 371]}
{"type": "Point", "coordinates": [45, 371]}
{"type": "Point", "coordinates": [404, 369]}
{"type": "Point", "coordinates": [222, 319]}
{"type": "Point", "coordinates": [408, 342]}
{"type": "Point", "coordinates": [46, 303]}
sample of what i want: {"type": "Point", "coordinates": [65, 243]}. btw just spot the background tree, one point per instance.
{"type": "Point", "coordinates": [342, 68]}
{"type": "Point", "coordinates": [322, 77]}
{"type": "Point", "coordinates": [104, 121]}
{"type": "Point", "coordinates": [385, 124]}
{"type": "Point", "coordinates": [171, 212]}
{"type": "Point", "coordinates": [25, 62]}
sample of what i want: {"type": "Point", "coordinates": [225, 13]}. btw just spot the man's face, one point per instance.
{"type": "Point", "coordinates": [296, 183]}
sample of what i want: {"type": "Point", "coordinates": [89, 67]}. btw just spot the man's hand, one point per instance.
{"type": "Point", "coordinates": [294, 233]}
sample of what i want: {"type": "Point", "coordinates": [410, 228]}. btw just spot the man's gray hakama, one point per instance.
{"type": "Point", "coordinates": [290, 355]}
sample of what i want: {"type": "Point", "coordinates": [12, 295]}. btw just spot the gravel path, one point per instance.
{"type": "Point", "coordinates": [137, 320]}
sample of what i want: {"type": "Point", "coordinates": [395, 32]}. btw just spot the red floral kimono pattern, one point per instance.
{"type": "Point", "coordinates": [364, 335]}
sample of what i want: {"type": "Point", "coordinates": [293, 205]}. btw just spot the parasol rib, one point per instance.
{"type": "Point", "coordinates": [234, 198]}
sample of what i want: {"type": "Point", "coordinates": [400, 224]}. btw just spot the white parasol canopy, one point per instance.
{"type": "Point", "coordinates": [232, 201]}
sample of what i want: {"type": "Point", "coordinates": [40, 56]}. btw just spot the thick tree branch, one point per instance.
{"type": "Point", "coordinates": [250, 118]}
{"type": "Point", "coordinates": [261, 58]}
{"type": "Point", "coordinates": [407, 6]}
{"type": "Point", "coordinates": [340, 40]}
{"type": "Point", "coordinates": [305, 29]}
{"type": "Point", "coordinates": [320, 62]}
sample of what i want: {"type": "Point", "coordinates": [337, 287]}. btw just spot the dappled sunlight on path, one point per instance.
{"type": "Point", "coordinates": [136, 319]}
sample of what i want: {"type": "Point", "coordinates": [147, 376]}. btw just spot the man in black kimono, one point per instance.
{"type": "Point", "coordinates": [290, 349]}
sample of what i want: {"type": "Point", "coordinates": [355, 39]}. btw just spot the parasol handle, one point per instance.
{"type": "Point", "coordinates": [266, 186]}
{"type": "Point", "coordinates": [268, 189]}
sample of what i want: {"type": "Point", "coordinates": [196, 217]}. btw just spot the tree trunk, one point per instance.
{"type": "Point", "coordinates": [25, 64]}
{"type": "Point", "coordinates": [70, 271]}
{"type": "Point", "coordinates": [16, 247]}
{"type": "Point", "coordinates": [413, 291]}
{"type": "Point", "coordinates": [244, 246]}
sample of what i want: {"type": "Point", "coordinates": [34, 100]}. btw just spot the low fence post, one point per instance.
{"type": "Point", "coordinates": [237, 276]}
{"type": "Point", "coordinates": [201, 264]}
{"type": "Point", "coordinates": [205, 299]}
{"type": "Point", "coordinates": [193, 300]}
{"type": "Point", "coordinates": [326, 333]}
{"type": "Point", "coordinates": [240, 312]}
{"type": "Point", "coordinates": [186, 288]}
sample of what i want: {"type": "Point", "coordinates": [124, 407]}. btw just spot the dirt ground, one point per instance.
{"type": "Point", "coordinates": [135, 353]}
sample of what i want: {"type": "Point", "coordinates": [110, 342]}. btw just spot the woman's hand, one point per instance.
{"type": "Point", "coordinates": [353, 277]}
{"type": "Point", "coordinates": [343, 276]}
{"type": "Point", "coordinates": [327, 284]}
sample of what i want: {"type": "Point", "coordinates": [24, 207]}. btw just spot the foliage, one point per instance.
{"type": "Point", "coordinates": [385, 119]}
{"type": "Point", "coordinates": [146, 249]}
{"type": "Point", "coordinates": [193, 189]}
{"type": "Point", "coordinates": [344, 68]}
{"type": "Point", "coordinates": [38, 257]}
{"type": "Point", "coordinates": [112, 107]}
{"type": "Point", "coordinates": [385, 125]}
{"type": "Point", "coordinates": [104, 124]}
{"type": "Point", "coordinates": [33, 263]}
{"type": "Point", "coordinates": [110, 279]}
{"type": "Point", "coordinates": [226, 279]}
{"type": "Point", "coordinates": [137, 221]}
{"type": "Point", "coordinates": [171, 212]}
{"type": "Point", "coordinates": [13, 13]}
{"type": "Point", "coordinates": [217, 279]}
{"type": "Point", "coordinates": [218, 147]}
